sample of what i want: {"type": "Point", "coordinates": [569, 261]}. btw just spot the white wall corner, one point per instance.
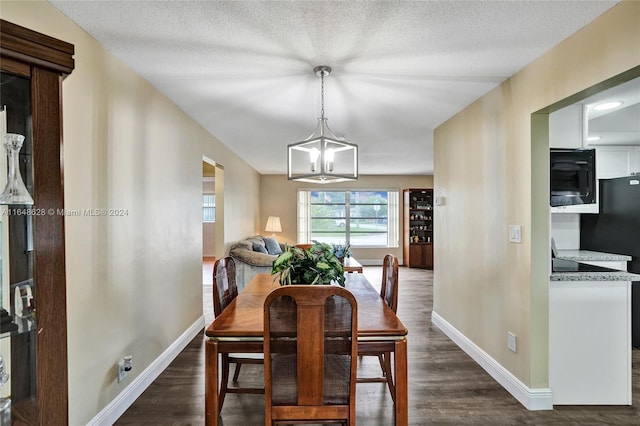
{"type": "Point", "coordinates": [531, 398]}
{"type": "Point", "coordinates": [112, 412]}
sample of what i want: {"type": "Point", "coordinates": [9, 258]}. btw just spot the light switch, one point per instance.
{"type": "Point", "coordinates": [511, 341]}
{"type": "Point", "coordinates": [515, 233]}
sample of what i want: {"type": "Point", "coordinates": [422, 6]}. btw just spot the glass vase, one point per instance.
{"type": "Point", "coordinates": [15, 192]}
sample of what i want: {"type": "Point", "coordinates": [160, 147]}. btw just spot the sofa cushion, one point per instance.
{"type": "Point", "coordinates": [273, 247]}
{"type": "Point", "coordinates": [242, 245]}
{"type": "Point", "coordinates": [259, 248]}
{"type": "Point", "coordinates": [257, 239]}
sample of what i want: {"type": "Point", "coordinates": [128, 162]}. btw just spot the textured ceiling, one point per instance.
{"type": "Point", "coordinates": [243, 69]}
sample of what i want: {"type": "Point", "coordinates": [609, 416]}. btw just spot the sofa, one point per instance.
{"type": "Point", "coordinates": [252, 256]}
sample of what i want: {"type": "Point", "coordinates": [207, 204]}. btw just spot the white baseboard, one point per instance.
{"type": "Point", "coordinates": [532, 398]}
{"type": "Point", "coordinates": [127, 397]}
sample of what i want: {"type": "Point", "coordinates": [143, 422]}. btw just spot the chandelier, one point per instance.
{"type": "Point", "coordinates": [323, 157]}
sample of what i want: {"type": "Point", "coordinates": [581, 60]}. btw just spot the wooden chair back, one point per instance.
{"type": "Point", "coordinates": [388, 293]}
{"type": "Point", "coordinates": [310, 353]}
{"type": "Point", "coordinates": [389, 287]}
{"type": "Point", "coordinates": [224, 284]}
{"type": "Point", "coordinates": [225, 291]}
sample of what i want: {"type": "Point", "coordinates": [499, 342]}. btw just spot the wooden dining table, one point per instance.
{"type": "Point", "coordinates": [239, 329]}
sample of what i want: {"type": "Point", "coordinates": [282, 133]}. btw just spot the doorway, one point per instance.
{"type": "Point", "coordinates": [212, 228]}
{"type": "Point", "coordinates": [571, 124]}
{"type": "Point", "coordinates": [208, 221]}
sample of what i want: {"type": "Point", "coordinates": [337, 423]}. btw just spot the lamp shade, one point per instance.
{"type": "Point", "coordinates": [273, 224]}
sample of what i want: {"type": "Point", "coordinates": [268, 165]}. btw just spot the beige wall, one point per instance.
{"type": "Point", "coordinates": [492, 175]}
{"type": "Point", "coordinates": [279, 198]}
{"type": "Point", "coordinates": [134, 283]}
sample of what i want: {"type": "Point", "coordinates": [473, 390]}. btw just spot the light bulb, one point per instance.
{"type": "Point", "coordinates": [313, 157]}
{"type": "Point", "coordinates": [330, 156]}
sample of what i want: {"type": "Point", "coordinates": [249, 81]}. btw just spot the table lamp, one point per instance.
{"type": "Point", "coordinates": [273, 225]}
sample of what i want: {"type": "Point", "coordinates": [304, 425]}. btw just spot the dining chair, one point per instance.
{"type": "Point", "coordinates": [225, 291]}
{"type": "Point", "coordinates": [310, 351]}
{"type": "Point", "coordinates": [389, 294]}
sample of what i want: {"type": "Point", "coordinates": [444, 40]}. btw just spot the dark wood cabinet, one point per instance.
{"type": "Point", "coordinates": [418, 228]}
{"type": "Point", "coordinates": [420, 256]}
{"type": "Point", "coordinates": [32, 68]}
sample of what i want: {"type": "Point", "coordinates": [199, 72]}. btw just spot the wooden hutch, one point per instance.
{"type": "Point", "coordinates": [418, 228]}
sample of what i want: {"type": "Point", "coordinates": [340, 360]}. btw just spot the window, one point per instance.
{"type": "Point", "coordinates": [208, 207]}
{"type": "Point", "coordinates": [360, 218]}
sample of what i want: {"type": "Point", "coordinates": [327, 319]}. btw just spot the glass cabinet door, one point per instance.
{"type": "Point", "coordinates": [17, 337]}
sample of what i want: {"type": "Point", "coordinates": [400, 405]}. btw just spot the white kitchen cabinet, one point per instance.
{"type": "Point", "coordinates": [590, 342]}
{"type": "Point", "coordinates": [566, 127]}
{"type": "Point", "coordinates": [617, 161]}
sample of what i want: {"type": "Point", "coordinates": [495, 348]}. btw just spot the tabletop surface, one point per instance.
{"type": "Point", "coordinates": [244, 316]}
{"type": "Point", "coordinates": [351, 262]}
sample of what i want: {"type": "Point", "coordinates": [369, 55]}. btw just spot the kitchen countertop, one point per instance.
{"type": "Point", "coordinates": [594, 276]}
{"type": "Point", "coordinates": [593, 256]}
{"type": "Point", "coordinates": [582, 255]}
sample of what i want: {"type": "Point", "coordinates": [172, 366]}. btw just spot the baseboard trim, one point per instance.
{"type": "Point", "coordinates": [532, 398]}
{"type": "Point", "coordinates": [112, 412]}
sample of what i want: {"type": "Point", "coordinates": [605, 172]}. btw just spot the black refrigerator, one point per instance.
{"type": "Point", "coordinates": [617, 230]}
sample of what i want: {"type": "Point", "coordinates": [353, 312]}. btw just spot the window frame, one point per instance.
{"type": "Point", "coordinates": [207, 207]}
{"type": "Point", "coordinates": [305, 216]}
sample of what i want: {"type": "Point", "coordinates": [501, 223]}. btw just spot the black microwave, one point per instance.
{"type": "Point", "coordinates": [573, 176]}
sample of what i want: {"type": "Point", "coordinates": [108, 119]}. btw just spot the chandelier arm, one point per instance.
{"type": "Point", "coordinates": [327, 131]}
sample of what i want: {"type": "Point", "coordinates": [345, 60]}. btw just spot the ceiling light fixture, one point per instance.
{"type": "Point", "coordinates": [607, 106]}
{"type": "Point", "coordinates": [323, 157]}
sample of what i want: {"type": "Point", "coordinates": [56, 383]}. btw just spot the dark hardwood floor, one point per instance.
{"type": "Point", "coordinates": [446, 387]}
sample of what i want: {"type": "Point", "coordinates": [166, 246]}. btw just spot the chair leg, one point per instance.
{"type": "Point", "coordinates": [236, 372]}
{"type": "Point", "coordinates": [224, 381]}
{"type": "Point", "coordinates": [389, 375]}
{"type": "Point", "coordinates": [381, 361]}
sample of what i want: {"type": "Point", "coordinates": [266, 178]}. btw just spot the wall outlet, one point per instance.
{"type": "Point", "coordinates": [515, 233]}
{"type": "Point", "coordinates": [122, 372]}
{"type": "Point", "coordinates": [511, 341]}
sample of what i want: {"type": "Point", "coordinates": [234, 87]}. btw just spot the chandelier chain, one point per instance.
{"type": "Point", "coordinates": [322, 94]}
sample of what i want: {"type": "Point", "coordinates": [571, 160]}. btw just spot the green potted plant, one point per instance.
{"type": "Point", "coordinates": [317, 265]}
